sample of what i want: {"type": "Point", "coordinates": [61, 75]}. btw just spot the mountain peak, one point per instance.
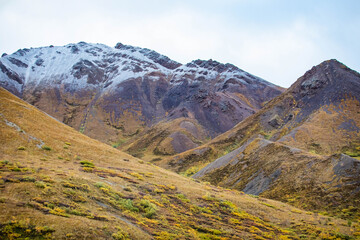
{"type": "Point", "coordinates": [213, 65]}
{"type": "Point", "coordinates": [330, 74]}
{"type": "Point", "coordinates": [151, 54]}
{"type": "Point", "coordinates": [119, 45]}
{"type": "Point", "coordinates": [330, 64]}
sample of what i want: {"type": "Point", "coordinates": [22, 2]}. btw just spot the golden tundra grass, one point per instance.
{"type": "Point", "coordinates": [79, 188]}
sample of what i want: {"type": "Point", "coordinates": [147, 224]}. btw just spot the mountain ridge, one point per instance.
{"type": "Point", "coordinates": [126, 90]}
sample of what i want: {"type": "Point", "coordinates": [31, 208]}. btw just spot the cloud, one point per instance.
{"type": "Point", "coordinates": [277, 44]}
{"type": "Point", "coordinates": [280, 55]}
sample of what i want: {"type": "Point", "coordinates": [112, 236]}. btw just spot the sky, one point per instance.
{"type": "Point", "coordinates": [277, 40]}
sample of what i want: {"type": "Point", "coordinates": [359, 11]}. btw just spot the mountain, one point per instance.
{"type": "Point", "coordinates": [113, 94]}
{"type": "Point", "coordinates": [302, 147]}
{"type": "Point", "coordinates": [57, 183]}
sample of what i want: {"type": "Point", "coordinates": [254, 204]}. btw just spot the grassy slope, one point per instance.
{"type": "Point", "coordinates": [75, 187]}
{"type": "Point", "coordinates": [157, 142]}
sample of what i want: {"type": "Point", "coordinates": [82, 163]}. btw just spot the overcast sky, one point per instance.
{"type": "Point", "coordinates": [277, 40]}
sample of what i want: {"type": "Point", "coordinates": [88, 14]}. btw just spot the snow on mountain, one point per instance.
{"type": "Point", "coordinates": [199, 70]}
{"type": "Point", "coordinates": [86, 65]}
{"type": "Point", "coordinates": [79, 65]}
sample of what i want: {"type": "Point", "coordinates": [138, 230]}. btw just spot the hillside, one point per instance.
{"type": "Point", "coordinates": [114, 94]}
{"type": "Point", "coordinates": [301, 148]}
{"type": "Point", "coordinates": [166, 138]}
{"type": "Point", "coordinates": [58, 183]}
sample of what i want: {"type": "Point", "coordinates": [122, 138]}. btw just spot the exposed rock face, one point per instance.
{"type": "Point", "coordinates": [113, 94]}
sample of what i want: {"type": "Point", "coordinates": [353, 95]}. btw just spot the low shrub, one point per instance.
{"type": "Point", "coordinates": [148, 208]}
{"type": "Point", "coordinates": [87, 164]}
{"type": "Point", "coordinates": [40, 184]}
{"type": "Point", "coordinates": [47, 148]}
{"type": "Point", "coordinates": [120, 235]}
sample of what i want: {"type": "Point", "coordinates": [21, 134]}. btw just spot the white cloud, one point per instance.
{"type": "Point", "coordinates": [279, 53]}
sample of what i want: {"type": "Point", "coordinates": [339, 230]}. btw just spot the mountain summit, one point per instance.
{"type": "Point", "coordinates": [325, 83]}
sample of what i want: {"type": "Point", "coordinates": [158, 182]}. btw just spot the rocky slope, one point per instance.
{"type": "Point", "coordinates": [56, 183]}
{"type": "Point", "coordinates": [302, 147]}
{"type": "Point", "coordinates": [113, 94]}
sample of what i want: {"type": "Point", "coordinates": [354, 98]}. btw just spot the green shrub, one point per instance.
{"type": "Point", "coordinates": [190, 171]}
{"type": "Point", "coordinates": [47, 148]}
{"type": "Point", "coordinates": [40, 184]}
{"type": "Point", "coordinates": [87, 164]}
{"type": "Point", "coordinates": [28, 179]}
{"type": "Point", "coordinates": [182, 197]}
{"type": "Point", "coordinates": [128, 204]}
{"type": "Point", "coordinates": [20, 230]}
{"type": "Point", "coordinates": [120, 235]}
{"type": "Point", "coordinates": [148, 208]}
{"type": "Point", "coordinates": [77, 212]}
{"type": "Point", "coordinates": [100, 185]}
{"type": "Point", "coordinates": [69, 185]}
{"type": "Point", "coordinates": [5, 162]}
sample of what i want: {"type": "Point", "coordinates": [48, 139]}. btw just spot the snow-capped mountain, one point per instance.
{"type": "Point", "coordinates": [80, 65]}
{"type": "Point", "coordinates": [125, 89]}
